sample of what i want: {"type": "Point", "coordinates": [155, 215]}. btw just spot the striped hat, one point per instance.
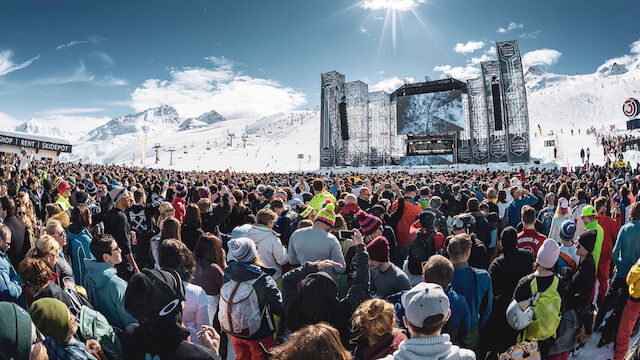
{"type": "Point", "coordinates": [368, 223]}
{"type": "Point", "coordinates": [116, 192]}
{"type": "Point", "coordinates": [61, 185]}
{"type": "Point", "coordinates": [326, 215]}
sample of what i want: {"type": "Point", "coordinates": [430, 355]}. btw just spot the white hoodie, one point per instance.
{"type": "Point", "coordinates": [430, 348]}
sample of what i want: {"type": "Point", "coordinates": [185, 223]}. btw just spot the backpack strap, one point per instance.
{"type": "Point", "coordinates": [569, 261]}
{"type": "Point", "coordinates": [229, 302]}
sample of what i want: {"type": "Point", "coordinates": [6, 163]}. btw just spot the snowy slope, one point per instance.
{"type": "Point", "coordinates": [205, 119]}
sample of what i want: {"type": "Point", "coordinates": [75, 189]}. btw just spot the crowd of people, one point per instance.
{"type": "Point", "coordinates": [111, 262]}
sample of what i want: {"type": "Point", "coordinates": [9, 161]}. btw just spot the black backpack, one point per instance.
{"type": "Point", "coordinates": [421, 249]}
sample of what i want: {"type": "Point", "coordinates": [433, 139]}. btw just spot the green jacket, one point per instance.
{"type": "Point", "coordinates": [317, 202]}
{"type": "Point", "coordinates": [597, 249]}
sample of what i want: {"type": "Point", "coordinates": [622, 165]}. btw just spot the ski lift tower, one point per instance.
{"type": "Point", "coordinates": [245, 137]}
{"type": "Point", "coordinates": [156, 147]}
{"type": "Point", "coordinates": [171, 150]}
{"type": "Point", "coordinates": [231, 136]}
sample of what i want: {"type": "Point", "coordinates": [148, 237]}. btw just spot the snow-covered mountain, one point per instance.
{"type": "Point", "coordinates": [205, 119]}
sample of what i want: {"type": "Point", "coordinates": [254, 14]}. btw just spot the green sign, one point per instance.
{"type": "Point", "coordinates": [549, 143]}
{"type": "Point", "coordinates": [300, 156]}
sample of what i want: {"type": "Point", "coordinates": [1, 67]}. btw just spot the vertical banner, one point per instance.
{"type": "Point", "coordinates": [331, 93]}
{"type": "Point", "coordinates": [144, 150]}
{"type": "Point", "coordinates": [496, 133]}
{"type": "Point", "coordinates": [514, 95]}
{"type": "Point", "coordinates": [478, 120]}
{"type": "Point", "coordinates": [357, 96]}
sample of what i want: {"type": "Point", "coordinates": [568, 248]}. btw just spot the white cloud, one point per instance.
{"type": "Point", "coordinates": [363, 29]}
{"type": "Point", "coordinates": [389, 84]}
{"type": "Point", "coordinates": [459, 72]}
{"type": "Point", "coordinates": [111, 81]}
{"type": "Point", "coordinates": [70, 44]}
{"type": "Point", "coordinates": [80, 74]}
{"type": "Point", "coordinates": [512, 26]}
{"type": "Point", "coordinates": [195, 90]}
{"type": "Point", "coordinates": [7, 122]}
{"type": "Point", "coordinates": [541, 57]}
{"type": "Point", "coordinates": [401, 5]}
{"type": "Point", "coordinates": [531, 35]}
{"type": "Point", "coordinates": [469, 47]}
{"type": "Point", "coordinates": [7, 65]}
{"type": "Point", "coordinates": [635, 47]}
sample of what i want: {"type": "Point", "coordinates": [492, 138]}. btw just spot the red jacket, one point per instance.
{"type": "Point", "coordinates": [611, 229]}
{"type": "Point", "coordinates": [178, 206]}
{"type": "Point", "coordinates": [530, 240]}
{"type": "Point", "coordinates": [409, 215]}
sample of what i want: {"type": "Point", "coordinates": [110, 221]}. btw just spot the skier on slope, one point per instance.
{"type": "Point", "coordinates": [582, 155]}
{"type": "Point", "coordinates": [588, 154]}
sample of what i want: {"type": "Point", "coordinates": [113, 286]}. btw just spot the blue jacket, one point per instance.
{"type": "Point", "coordinates": [266, 290]}
{"type": "Point", "coordinates": [459, 323]}
{"type": "Point", "coordinates": [515, 207]}
{"type": "Point", "coordinates": [106, 293]}
{"type": "Point", "coordinates": [627, 249]}
{"type": "Point", "coordinates": [80, 241]}
{"type": "Point", "coordinates": [476, 289]}
{"type": "Point", "coordinates": [11, 278]}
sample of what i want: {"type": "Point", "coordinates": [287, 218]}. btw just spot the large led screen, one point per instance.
{"type": "Point", "coordinates": [437, 112]}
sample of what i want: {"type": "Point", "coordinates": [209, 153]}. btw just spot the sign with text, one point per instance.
{"type": "Point", "coordinates": [34, 144]}
{"type": "Point", "coordinates": [549, 143]}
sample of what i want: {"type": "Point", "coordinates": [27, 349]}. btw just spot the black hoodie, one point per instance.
{"type": "Point", "coordinates": [318, 299]}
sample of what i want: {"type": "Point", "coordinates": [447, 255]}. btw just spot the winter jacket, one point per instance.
{"type": "Point", "coordinates": [440, 222]}
{"type": "Point", "coordinates": [431, 348]}
{"type": "Point", "coordinates": [106, 293]}
{"type": "Point", "coordinates": [219, 215]}
{"type": "Point", "coordinates": [318, 299]}
{"type": "Point", "coordinates": [409, 215]}
{"type": "Point", "coordinates": [80, 240]}
{"type": "Point", "coordinates": [505, 271]}
{"type": "Point", "coordinates": [633, 280]}
{"type": "Point", "coordinates": [270, 250]}
{"type": "Point", "coordinates": [482, 228]}
{"type": "Point", "coordinates": [63, 269]}
{"type": "Point", "coordinates": [597, 249]}
{"type": "Point", "coordinates": [318, 200]}
{"type": "Point", "coordinates": [235, 219]}
{"type": "Point", "coordinates": [475, 286]}
{"type": "Point", "coordinates": [459, 323]}
{"type": "Point", "coordinates": [514, 210]}
{"type": "Point", "coordinates": [530, 240]}
{"type": "Point", "coordinates": [556, 226]}
{"type": "Point", "coordinates": [576, 216]}
{"type": "Point", "coordinates": [578, 293]}
{"type": "Point", "coordinates": [266, 291]}
{"type": "Point", "coordinates": [19, 240]}
{"type": "Point", "coordinates": [311, 244]}
{"type": "Point", "coordinates": [611, 230]}
{"type": "Point", "coordinates": [190, 236]}
{"type": "Point", "coordinates": [178, 205]}
{"type": "Point", "coordinates": [208, 276]}
{"type": "Point", "coordinates": [117, 225]}
{"type": "Point", "coordinates": [387, 345]}
{"type": "Point", "coordinates": [627, 249]}
{"type": "Point", "coordinates": [11, 278]}
{"type": "Point", "coordinates": [283, 225]}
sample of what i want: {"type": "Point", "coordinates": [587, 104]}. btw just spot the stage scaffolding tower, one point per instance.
{"type": "Point", "coordinates": [331, 144]}
{"type": "Point", "coordinates": [357, 96]}
{"type": "Point", "coordinates": [478, 121]}
{"type": "Point", "coordinates": [497, 135]}
{"type": "Point", "coordinates": [379, 128]}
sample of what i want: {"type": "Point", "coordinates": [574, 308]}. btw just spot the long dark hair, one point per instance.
{"type": "Point", "coordinates": [170, 229]}
{"type": "Point", "coordinates": [80, 216]}
{"type": "Point", "coordinates": [209, 248]}
{"type": "Point", "coordinates": [192, 216]}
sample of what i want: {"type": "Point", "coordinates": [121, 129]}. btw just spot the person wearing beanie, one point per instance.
{"type": "Point", "coordinates": [64, 189]}
{"type": "Point", "coordinates": [370, 226]}
{"type": "Point", "coordinates": [568, 258]}
{"type": "Point", "coordinates": [546, 282]}
{"type": "Point", "coordinates": [386, 278]}
{"type": "Point", "coordinates": [506, 271]}
{"type": "Point", "coordinates": [154, 298]}
{"type": "Point", "coordinates": [425, 243]}
{"type": "Point", "coordinates": [19, 337]}
{"type": "Point", "coordinates": [349, 211]}
{"type": "Point", "coordinates": [316, 243]}
{"type": "Point", "coordinates": [116, 224]}
{"type": "Point", "coordinates": [52, 317]}
{"type": "Point", "coordinates": [260, 201]}
{"type": "Point", "coordinates": [178, 202]}
{"type": "Point", "coordinates": [561, 215]}
{"type": "Point", "coordinates": [248, 268]}
{"type": "Point", "coordinates": [576, 301]}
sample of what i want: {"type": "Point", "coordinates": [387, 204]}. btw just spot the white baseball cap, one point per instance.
{"type": "Point", "coordinates": [423, 301]}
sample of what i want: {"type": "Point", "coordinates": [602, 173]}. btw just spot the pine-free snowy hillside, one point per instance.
{"type": "Point", "coordinates": [272, 144]}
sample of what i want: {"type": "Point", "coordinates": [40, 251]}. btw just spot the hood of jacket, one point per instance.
{"type": "Point", "coordinates": [436, 347]}
{"type": "Point", "coordinates": [76, 231]}
{"type": "Point", "coordinates": [318, 297]}
{"type": "Point", "coordinates": [258, 233]}
{"type": "Point", "coordinates": [349, 208]}
{"type": "Point", "coordinates": [100, 272]}
{"type": "Point", "coordinates": [238, 271]}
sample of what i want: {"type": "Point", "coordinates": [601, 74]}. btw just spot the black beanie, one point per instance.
{"type": "Point", "coordinates": [153, 294]}
{"type": "Point", "coordinates": [588, 240]}
{"type": "Point", "coordinates": [426, 219]}
{"type": "Point", "coordinates": [509, 238]}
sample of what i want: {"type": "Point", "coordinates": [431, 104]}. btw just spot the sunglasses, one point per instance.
{"type": "Point", "coordinates": [115, 249]}
{"type": "Point", "coordinates": [62, 234]}
{"type": "Point", "coordinates": [21, 213]}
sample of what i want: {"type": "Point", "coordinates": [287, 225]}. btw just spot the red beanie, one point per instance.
{"type": "Point", "coordinates": [378, 249]}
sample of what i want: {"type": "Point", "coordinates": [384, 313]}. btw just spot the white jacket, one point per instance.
{"type": "Point", "coordinates": [270, 250]}
{"type": "Point", "coordinates": [431, 348]}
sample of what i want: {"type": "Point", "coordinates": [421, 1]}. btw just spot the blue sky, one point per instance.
{"type": "Point", "coordinates": [80, 60]}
